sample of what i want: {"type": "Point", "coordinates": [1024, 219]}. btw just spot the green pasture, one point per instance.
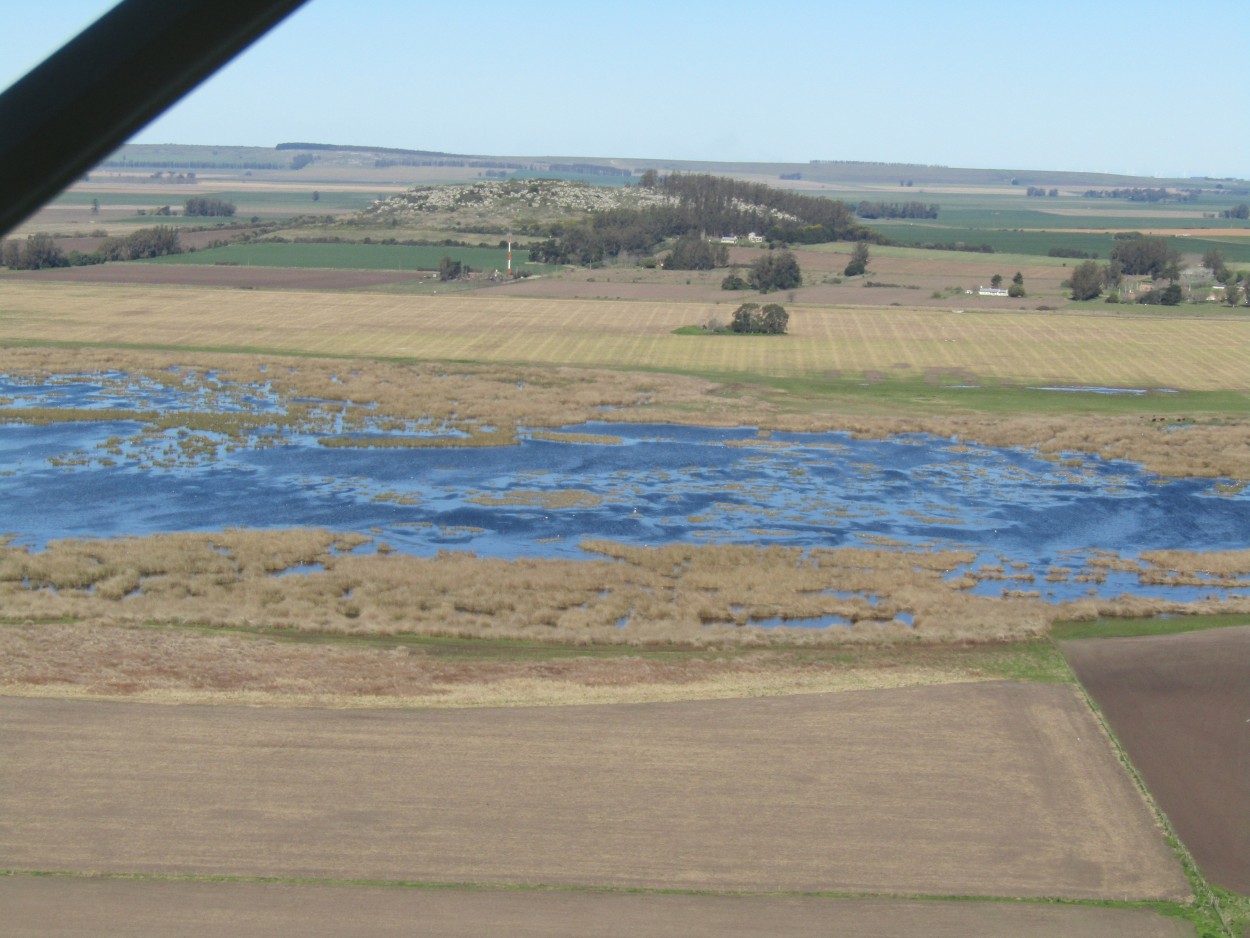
{"type": "Point", "coordinates": [1152, 625]}
{"type": "Point", "coordinates": [869, 395]}
{"type": "Point", "coordinates": [1002, 241]}
{"type": "Point", "coordinates": [346, 256]}
{"type": "Point", "coordinates": [1236, 250]}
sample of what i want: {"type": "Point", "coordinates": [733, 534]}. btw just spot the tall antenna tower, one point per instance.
{"type": "Point", "coordinates": [509, 255]}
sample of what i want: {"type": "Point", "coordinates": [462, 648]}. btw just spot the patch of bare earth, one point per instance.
{"type": "Point", "coordinates": [1180, 704]}
{"type": "Point", "coordinates": [60, 907]}
{"type": "Point", "coordinates": [998, 789]}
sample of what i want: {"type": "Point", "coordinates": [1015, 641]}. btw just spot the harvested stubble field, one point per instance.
{"type": "Point", "coordinates": [851, 793]}
{"type": "Point", "coordinates": [1179, 703]}
{"type": "Point", "coordinates": [1073, 349]}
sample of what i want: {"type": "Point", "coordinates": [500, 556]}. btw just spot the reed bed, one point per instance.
{"type": "Point", "coordinates": [705, 595]}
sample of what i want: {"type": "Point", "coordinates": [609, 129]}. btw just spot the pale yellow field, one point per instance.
{"type": "Point", "coordinates": [1029, 348]}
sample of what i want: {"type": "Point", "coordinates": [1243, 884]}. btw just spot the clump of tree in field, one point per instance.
{"type": "Point", "coordinates": [1145, 255]}
{"type": "Point", "coordinates": [752, 319]}
{"type": "Point", "coordinates": [35, 253]}
{"type": "Point", "coordinates": [1171, 295]}
{"type": "Point", "coordinates": [897, 210]}
{"type": "Point", "coordinates": [1237, 211]}
{"type": "Point", "coordinates": [1017, 285]}
{"type": "Point", "coordinates": [692, 252]}
{"type": "Point", "coordinates": [776, 270]}
{"type": "Point", "coordinates": [1086, 281]}
{"type": "Point", "coordinates": [40, 251]}
{"type": "Point", "coordinates": [449, 269]}
{"type": "Point", "coordinates": [208, 207]}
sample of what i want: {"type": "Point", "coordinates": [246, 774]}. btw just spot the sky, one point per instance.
{"type": "Point", "coordinates": [1145, 88]}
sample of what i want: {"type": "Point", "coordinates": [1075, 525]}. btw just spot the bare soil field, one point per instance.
{"type": "Point", "coordinates": [67, 907]}
{"type": "Point", "coordinates": [201, 275]}
{"type": "Point", "coordinates": [987, 789]}
{"type": "Point", "coordinates": [1179, 704]}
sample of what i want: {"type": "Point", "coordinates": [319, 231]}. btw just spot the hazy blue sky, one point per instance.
{"type": "Point", "coordinates": [1144, 87]}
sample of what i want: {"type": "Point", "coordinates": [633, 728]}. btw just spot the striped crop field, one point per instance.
{"type": "Point", "coordinates": [1034, 348]}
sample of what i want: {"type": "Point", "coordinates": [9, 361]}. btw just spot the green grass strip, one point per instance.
{"type": "Point", "coordinates": [1150, 625]}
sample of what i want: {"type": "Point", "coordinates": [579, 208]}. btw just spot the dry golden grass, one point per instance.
{"type": "Point", "coordinates": [997, 346]}
{"type": "Point", "coordinates": [195, 665]}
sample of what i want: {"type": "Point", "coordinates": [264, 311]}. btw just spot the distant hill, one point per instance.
{"type": "Point", "coordinates": [817, 173]}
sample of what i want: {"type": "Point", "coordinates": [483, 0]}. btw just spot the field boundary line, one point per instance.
{"type": "Point", "coordinates": [1160, 906]}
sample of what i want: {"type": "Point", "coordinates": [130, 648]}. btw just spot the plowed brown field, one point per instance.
{"type": "Point", "coordinates": [62, 907]}
{"type": "Point", "coordinates": [997, 789]}
{"type": "Point", "coordinates": [1180, 704]}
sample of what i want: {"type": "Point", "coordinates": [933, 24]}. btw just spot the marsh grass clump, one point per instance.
{"type": "Point", "coordinates": [701, 595]}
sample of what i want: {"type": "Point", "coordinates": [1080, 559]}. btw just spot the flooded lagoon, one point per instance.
{"type": "Point", "coordinates": [1036, 523]}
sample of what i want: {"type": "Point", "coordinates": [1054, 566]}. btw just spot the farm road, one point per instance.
{"type": "Point", "coordinates": [976, 789]}
{"type": "Point", "coordinates": [59, 907]}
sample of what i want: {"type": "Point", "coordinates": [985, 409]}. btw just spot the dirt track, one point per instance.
{"type": "Point", "coordinates": [1181, 706]}
{"type": "Point", "coordinates": [62, 907]}
{"type": "Point", "coordinates": [986, 789]}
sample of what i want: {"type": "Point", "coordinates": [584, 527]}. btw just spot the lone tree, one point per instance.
{"type": "Point", "coordinates": [859, 260]}
{"type": "Point", "coordinates": [996, 281]}
{"type": "Point", "coordinates": [1086, 281]}
{"type": "Point", "coordinates": [1213, 260]}
{"type": "Point", "coordinates": [775, 271]}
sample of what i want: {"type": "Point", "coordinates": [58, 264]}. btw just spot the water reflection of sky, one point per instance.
{"type": "Point", "coordinates": [658, 485]}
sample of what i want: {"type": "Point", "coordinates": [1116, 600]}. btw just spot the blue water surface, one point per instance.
{"type": "Point", "coordinates": [660, 484]}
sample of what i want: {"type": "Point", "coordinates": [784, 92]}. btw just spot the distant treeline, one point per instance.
{"type": "Point", "coordinates": [1072, 252]}
{"type": "Point", "coordinates": [701, 204]}
{"type": "Point", "coordinates": [950, 246]}
{"type": "Point", "coordinates": [186, 164]}
{"type": "Point", "coordinates": [896, 210]}
{"type": "Point", "coordinates": [1145, 195]}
